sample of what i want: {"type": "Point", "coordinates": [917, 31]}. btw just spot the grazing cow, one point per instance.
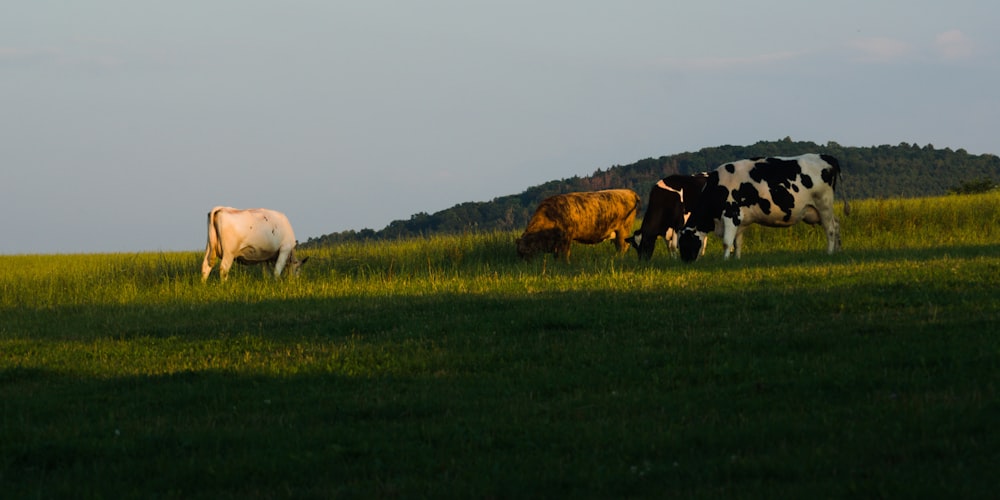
{"type": "Point", "coordinates": [775, 192]}
{"type": "Point", "coordinates": [590, 218]}
{"type": "Point", "coordinates": [249, 237]}
{"type": "Point", "coordinates": [670, 203]}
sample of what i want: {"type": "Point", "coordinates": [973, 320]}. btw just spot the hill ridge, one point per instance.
{"type": "Point", "coordinates": [884, 171]}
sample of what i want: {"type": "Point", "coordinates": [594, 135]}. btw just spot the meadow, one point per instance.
{"type": "Point", "coordinates": [445, 367]}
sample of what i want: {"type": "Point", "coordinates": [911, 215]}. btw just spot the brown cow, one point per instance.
{"type": "Point", "coordinates": [590, 218]}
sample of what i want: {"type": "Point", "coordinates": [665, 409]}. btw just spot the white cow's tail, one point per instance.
{"type": "Point", "coordinates": [212, 249]}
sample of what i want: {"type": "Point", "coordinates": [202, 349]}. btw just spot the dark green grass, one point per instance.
{"type": "Point", "coordinates": [450, 369]}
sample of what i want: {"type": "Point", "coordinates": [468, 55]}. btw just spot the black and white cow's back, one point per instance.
{"type": "Point", "coordinates": [774, 192]}
{"type": "Point", "coordinates": [670, 203]}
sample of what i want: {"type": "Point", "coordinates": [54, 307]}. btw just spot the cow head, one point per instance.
{"type": "Point", "coordinates": [544, 241]}
{"type": "Point", "coordinates": [294, 265]}
{"type": "Point", "coordinates": [642, 244]}
{"type": "Point", "coordinates": [689, 243]}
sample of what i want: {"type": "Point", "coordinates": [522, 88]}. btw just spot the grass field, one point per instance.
{"type": "Point", "coordinates": [447, 368]}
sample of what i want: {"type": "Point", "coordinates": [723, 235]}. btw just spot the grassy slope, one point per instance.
{"type": "Point", "coordinates": [445, 367]}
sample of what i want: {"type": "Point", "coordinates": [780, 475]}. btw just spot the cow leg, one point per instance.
{"type": "Point", "coordinates": [620, 242]}
{"type": "Point", "coordinates": [730, 233]}
{"type": "Point", "coordinates": [206, 265]}
{"type": "Point", "coordinates": [832, 228]}
{"type": "Point", "coordinates": [224, 265]}
{"type": "Point", "coordinates": [562, 249]}
{"type": "Point", "coordinates": [727, 247]}
{"type": "Point", "coordinates": [671, 237]}
{"type": "Point", "coordinates": [738, 242]}
{"type": "Point", "coordinates": [279, 265]}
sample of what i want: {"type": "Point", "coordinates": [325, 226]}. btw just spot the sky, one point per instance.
{"type": "Point", "coordinates": [122, 123]}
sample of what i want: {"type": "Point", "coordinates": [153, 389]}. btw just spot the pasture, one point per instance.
{"type": "Point", "coordinates": [446, 367]}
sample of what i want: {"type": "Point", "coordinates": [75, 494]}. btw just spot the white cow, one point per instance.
{"type": "Point", "coordinates": [249, 237]}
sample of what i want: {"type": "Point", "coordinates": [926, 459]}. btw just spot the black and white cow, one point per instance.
{"type": "Point", "coordinates": [670, 203]}
{"type": "Point", "coordinates": [775, 192]}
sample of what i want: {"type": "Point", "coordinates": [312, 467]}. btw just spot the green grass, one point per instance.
{"type": "Point", "coordinates": [446, 367]}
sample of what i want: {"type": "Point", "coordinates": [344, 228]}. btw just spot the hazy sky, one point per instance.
{"type": "Point", "coordinates": [123, 122]}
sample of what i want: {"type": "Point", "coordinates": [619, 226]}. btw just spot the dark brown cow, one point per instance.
{"type": "Point", "coordinates": [589, 217]}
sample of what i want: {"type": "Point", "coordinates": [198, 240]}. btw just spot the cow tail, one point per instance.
{"type": "Point", "coordinates": [838, 178]}
{"type": "Point", "coordinates": [847, 203]}
{"type": "Point", "coordinates": [212, 249]}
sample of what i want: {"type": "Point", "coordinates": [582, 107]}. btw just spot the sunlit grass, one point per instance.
{"type": "Point", "coordinates": [477, 260]}
{"type": "Point", "coordinates": [446, 366]}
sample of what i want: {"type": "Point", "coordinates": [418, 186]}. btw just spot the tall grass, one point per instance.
{"type": "Point", "coordinates": [447, 367]}
{"type": "Point", "coordinates": [477, 259]}
{"type": "Point", "coordinates": [893, 224]}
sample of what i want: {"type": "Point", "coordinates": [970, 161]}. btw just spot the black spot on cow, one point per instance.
{"type": "Point", "coordinates": [831, 160]}
{"type": "Point", "coordinates": [713, 199]}
{"type": "Point", "coordinates": [807, 182]}
{"type": "Point", "coordinates": [830, 175]}
{"type": "Point", "coordinates": [730, 168]}
{"type": "Point", "coordinates": [776, 172]}
{"type": "Point", "coordinates": [780, 176]}
{"type": "Point", "coordinates": [784, 200]}
{"type": "Point", "coordinates": [745, 196]}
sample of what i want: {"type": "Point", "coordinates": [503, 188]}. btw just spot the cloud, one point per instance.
{"type": "Point", "coordinates": [954, 45]}
{"type": "Point", "coordinates": [951, 45]}
{"type": "Point", "coordinates": [879, 49]}
{"type": "Point", "coordinates": [726, 63]}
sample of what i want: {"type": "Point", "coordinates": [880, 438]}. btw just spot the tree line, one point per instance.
{"type": "Point", "coordinates": [904, 170]}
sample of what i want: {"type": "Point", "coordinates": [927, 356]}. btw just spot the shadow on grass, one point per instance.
{"type": "Point", "coordinates": [727, 419]}
{"type": "Point", "coordinates": [577, 393]}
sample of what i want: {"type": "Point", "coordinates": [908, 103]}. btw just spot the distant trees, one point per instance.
{"type": "Point", "coordinates": [983, 185]}
{"type": "Point", "coordinates": [905, 170]}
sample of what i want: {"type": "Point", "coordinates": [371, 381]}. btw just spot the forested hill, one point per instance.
{"type": "Point", "coordinates": [867, 172]}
